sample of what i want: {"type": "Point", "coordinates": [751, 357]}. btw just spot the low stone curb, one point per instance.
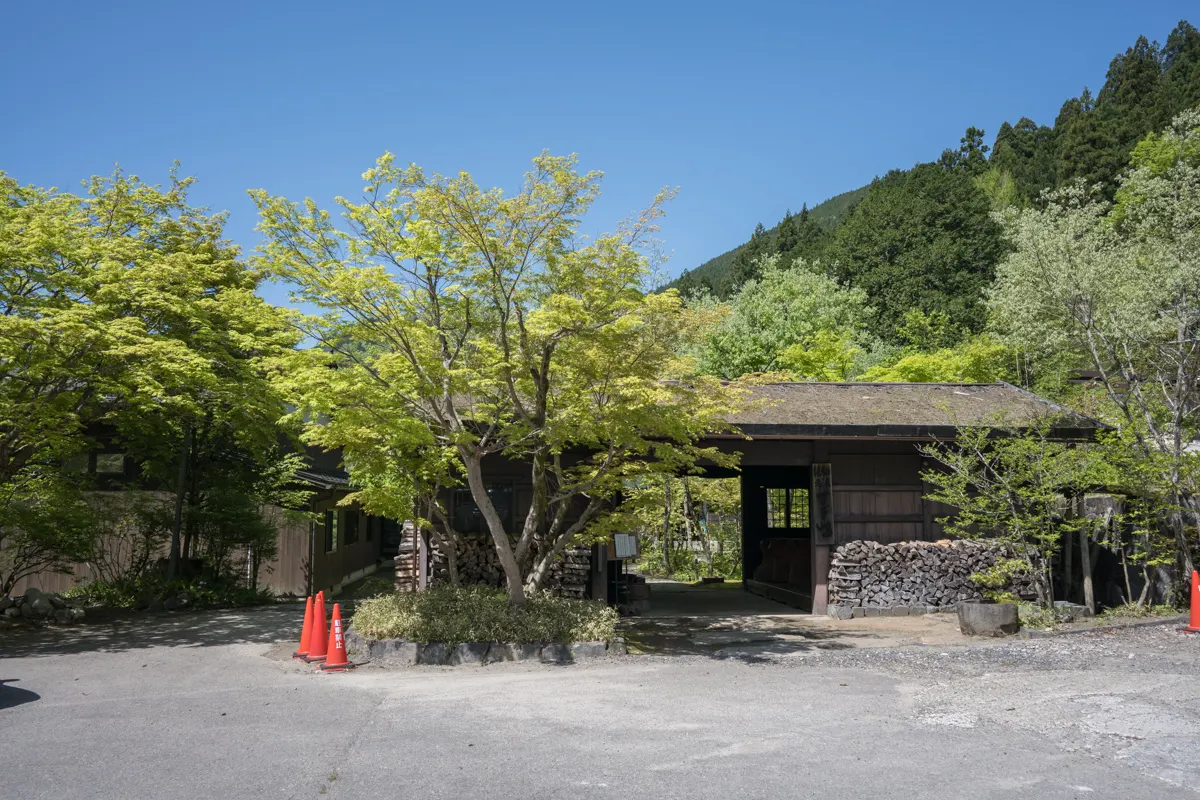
{"type": "Point", "coordinates": [1117, 626]}
{"type": "Point", "coordinates": [842, 611]}
{"type": "Point", "coordinates": [403, 653]}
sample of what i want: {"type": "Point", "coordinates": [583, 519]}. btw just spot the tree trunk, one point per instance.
{"type": "Point", "coordinates": [180, 492]}
{"type": "Point", "coordinates": [666, 534]}
{"type": "Point", "coordinates": [1068, 569]}
{"type": "Point", "coordinates": [1085, 564]}
{"type": "Point", "coordinates": [508, 560]}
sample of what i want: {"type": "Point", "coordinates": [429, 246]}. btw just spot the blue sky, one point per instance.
{"type": "Point", "coordinates": [749, 108]}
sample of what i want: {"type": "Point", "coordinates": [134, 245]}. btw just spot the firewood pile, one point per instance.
{"type": "Point", "coordinates": [479, 564]}
{"type": "Point", "coordinates": [912, 573]}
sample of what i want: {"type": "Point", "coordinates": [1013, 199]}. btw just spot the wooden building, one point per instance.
{"type": "Point", "coordinates": [823, 464]}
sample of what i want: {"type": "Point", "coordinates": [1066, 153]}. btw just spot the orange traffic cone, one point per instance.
{"type": "Point", "coordinates": [318, 645]}
{"type": "Point", "coordinates": [305, 630]}
{"type": "Point", "coordinates": [337, 661]}
{"type": "Point", "coordinates": [1194, 623]}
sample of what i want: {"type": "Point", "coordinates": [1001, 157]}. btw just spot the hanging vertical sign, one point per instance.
{"type": "Point", "coordinates": [821, 499]}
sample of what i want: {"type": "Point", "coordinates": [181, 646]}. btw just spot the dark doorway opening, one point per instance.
{"type": "Point", "coordinates": [777, 533]}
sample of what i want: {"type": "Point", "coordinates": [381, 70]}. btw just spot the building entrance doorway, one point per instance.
{"type": "Point", "coordinates": [777, 533]}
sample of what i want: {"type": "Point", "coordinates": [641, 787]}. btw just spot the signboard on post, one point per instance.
{"type": "Point", "coordinates": [623, 546]}
{"type": "Point", "coordinates": [821, 504]}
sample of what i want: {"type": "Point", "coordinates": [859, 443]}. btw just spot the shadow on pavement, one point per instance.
{"type": "Point", "coordinates": [11, 696]}
{"type": "Point", "coordinates": [169, 629]}
{"type": "Point", "coordinates": [740, 638]}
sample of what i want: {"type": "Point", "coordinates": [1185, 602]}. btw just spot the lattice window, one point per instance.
{"type": "Point", "coordinates": [787, 508]}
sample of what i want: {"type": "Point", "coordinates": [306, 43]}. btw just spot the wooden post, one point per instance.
{"type": "Point", "coordinates": [926, 511]}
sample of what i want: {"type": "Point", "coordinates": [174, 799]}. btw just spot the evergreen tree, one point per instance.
{"type": "Point", "coordinates": [787, 236]}
{"type": "Point", "coordinates": [746, 264]}
{"type": "Point", "coordinates": [1026, 151]}
{"type": "Point", "coordinates": [1088, 148]}
{"type": "Point", "coordinates": [1129, 98]}
{"type": "Point", "coordinates": [810, 236]}
{"type": "Point", "coordinates": [1180, 89]}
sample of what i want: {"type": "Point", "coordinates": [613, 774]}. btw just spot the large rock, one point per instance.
{"type": "Point", "coordinates": [508, 651]}
{"type": "Point", "coordinates": [6, 603]}
{"type": "Point", "coordinates": [617, 647]}
{"type": "Point", "coordinates": [12, 612]}
{"type": "Point", "coordinates": [988, 619]}
{"type": "Point", "coordinates": [584, 651]}
{"type": "Point", "coordinates": [469, 653]}
{"type": "Point", "coordinates": [432, 654]}
{"type": "Point", "coordinates": [393, 651]}
{"type": "Point", "coordinates": [556, 654]}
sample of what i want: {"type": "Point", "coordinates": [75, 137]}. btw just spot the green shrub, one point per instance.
{"type": "Point", "coordinates": [1134, 611]}
{"type": "Point", "coordinates": [144, 591]}
{"type": "Point", "coordinates": [1034, 616]}
{"type": "Point", "coordinates": [481, 614]}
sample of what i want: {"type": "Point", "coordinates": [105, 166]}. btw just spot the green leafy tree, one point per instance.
{"type": "Point", "coordinates": [1010, 491]}
{"type": "Point", "coordinates": [476, 323]}
{"type": "Point", "coordinates": [1120, 290]}
{"type": "Point", "coordinates": [112, 307]}
{"type": "Point", "coordinates": [783, 307]}
{"type": "Point", "coordinates": [691, 527]}
{"type": "Point", "coordinates": [981, 359]}
{"type": "Point", "coordinates": [824, 356]}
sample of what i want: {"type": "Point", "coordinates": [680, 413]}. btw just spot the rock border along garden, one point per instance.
{"type": "Point", "coordinates": [398, 652]}
{"type": "Point", "coordinates": [36, 606]}
{"type": "Point", "coordinates": [908, 578]}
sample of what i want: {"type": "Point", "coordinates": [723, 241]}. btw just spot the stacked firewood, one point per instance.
{"type": "Point", "coordinates": [912, 573]}
{"type": "Point", "coordinates": [478, 564]}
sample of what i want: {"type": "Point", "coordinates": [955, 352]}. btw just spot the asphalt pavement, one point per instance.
{"type": "Point", "coordinates": [207, 705]}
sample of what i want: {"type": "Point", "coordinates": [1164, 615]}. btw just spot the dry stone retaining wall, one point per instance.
{"type": "Point", "coordinates": [868, 578]}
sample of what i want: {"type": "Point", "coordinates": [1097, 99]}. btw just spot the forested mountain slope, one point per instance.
{"type": "Point", "coordinates": [923, 238]}
{"type": "Point", "coordinates": [712, 273]}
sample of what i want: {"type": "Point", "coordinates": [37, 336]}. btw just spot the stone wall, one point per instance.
{"type": "Point", "coordinates": [928, 575]}
{"type": "Point", "coordinates": [478, 563]}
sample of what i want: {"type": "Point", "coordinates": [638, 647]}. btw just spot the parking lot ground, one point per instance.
{"type": "Point", "coordinates": [208, 705]}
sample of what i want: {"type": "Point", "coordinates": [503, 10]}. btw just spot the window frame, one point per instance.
{"type": "Point", "coordinates": [330, 524]}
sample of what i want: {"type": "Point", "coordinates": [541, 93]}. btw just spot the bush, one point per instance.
{"type": "Point", "coordinates": [1034, 616]}
{"type": "Point", "coordinates": [1134, 611]}
{"type": "Point", "coordinates": [148, 590]}
{"type": "Point", "coordinates": [457, 614]}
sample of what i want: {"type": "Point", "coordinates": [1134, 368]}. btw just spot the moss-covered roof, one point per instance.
{"type": "Point", "coordinates": [920, 410]}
